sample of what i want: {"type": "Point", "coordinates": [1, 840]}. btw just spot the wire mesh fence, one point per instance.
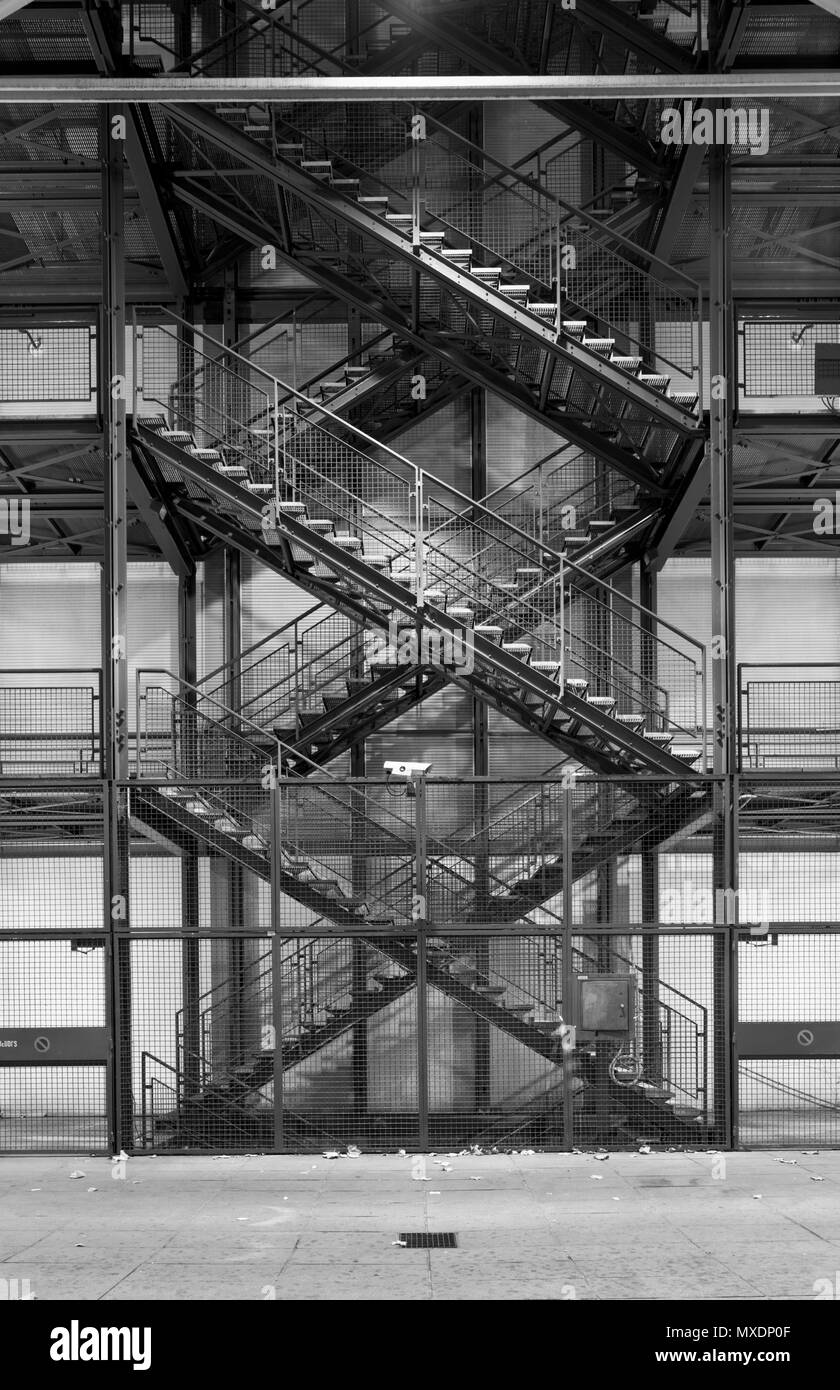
{"type": "Point", "coordinates": [778, 357]}
{"type": "Point", "coordinates": [790, 717]}
{"type": "Point", "coordinates": [788, 1038]}
{"type": "Point", "coordinates": [47, 364]}
{"type": "Point", "coordinates": [53, 1042]}
{"type": "Point", "coordinates": [319, 962]}
{"type": "Point", "coordinates": [50, 723]}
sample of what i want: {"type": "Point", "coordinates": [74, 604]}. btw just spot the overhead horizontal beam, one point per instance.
{"type": "Point", "coordinates": [758, 422]}
{"type": "Point", "coordinates": [174, 87]}
{"type": "Point", "coordinates": [14, 430]}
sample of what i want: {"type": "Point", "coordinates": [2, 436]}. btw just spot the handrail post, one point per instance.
{"type": "Point", "coordinates": [275, 441]}
{"type": "Point", "coordinates": [558, 268]}
{"type": "Point", "coordinates": [137, 728]}
{"type": "Point", "coordinates": [419, 545]}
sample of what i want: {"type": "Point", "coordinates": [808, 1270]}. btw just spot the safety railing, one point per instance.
{"type": "Point", "coordinates": [48, 725]}
{"type": "Point", "coordinates": [286, 674]}
{"type": "Point", "coordinates": [789, 715]}
{"type": "Point", "coordinates": [562, 492]}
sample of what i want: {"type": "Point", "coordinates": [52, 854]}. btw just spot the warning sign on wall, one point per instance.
{"type": "Point", "coordinates": [53, 1046]}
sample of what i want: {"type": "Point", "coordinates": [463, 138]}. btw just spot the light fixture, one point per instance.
{"type": "Point", "coordinates": [795, 340]}
{"type": "Point", "coordinates": [35, 344]}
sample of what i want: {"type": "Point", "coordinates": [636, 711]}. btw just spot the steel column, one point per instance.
{"type": "Point", "coordinates": [724, 666]}
{"type": "Point", "coordinates": [190, 907]}
{"type": "Point", "coordinates": [421, 909]}
{"type": "Point", "coordinates": [651, 1042]}
{"type": "Point", "coordinates": [481, 768]}
{"type": "Point", "coordinates": [112, 404]}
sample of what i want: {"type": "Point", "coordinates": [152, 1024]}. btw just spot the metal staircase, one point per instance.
{"type": "Point", "coordinates": [395, 549]}
{"type": "Point", "coordinates": [458, 254]}
{"type": "Point", "coordinates": [301, 850]}
{"type": "Point", "coordinates": [317, 684]}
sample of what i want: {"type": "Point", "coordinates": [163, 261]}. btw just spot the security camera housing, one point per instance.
{"type": "Point", "coordinates": [407, 770]}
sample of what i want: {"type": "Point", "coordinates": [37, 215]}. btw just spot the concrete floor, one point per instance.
{"type": "Point", "coordinates": [529, 1226]}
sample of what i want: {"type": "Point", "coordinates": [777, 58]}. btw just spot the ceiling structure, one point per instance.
{"type": "Point", "coordinates": [182, 251]}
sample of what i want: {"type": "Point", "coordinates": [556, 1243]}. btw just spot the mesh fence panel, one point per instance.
{"type": "Point", "coordinates": [47, 987]}
{"type": "Point", "coordinates": [791, 977]}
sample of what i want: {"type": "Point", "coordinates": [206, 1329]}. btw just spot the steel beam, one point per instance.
{"type": "Point", "coordinates": [175, 88]}
{"type": "Point", "coordinates": [161, 522]}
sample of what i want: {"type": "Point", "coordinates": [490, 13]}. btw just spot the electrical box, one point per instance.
{"type": "Point", "coordinates": [827, 369]}
{"type": "Point", "coordinates": [606, 1004]}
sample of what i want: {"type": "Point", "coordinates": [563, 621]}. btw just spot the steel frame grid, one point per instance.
{"type": "Point", "coordinates": [777, 356]}
{"type": "Point", "coordinates": [328, 1115]}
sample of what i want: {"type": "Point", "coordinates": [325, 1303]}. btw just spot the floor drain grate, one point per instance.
{"type": "Point", "coordinates": [429, 1240]}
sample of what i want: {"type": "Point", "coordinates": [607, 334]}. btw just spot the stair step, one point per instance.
{"type": "Point", "coordinates": [293, 509]}
{"type": "Point", "coordinates": [521, 650]}
{"type": "Point", "coordinates": [319, 168]}
{"type": "Point", "coordinates": [575, 327]}
{"type": "Point", "coordinates": [253, 842]}
{"type": "Point", "coordinates": [176, 436]}
{"type": "Point", "coordinates": [603, 346]}
{"type": "Point", "coordinates": [686, 399]}
{"type": "Point", "coordinates": [401, 220]}
{"type": "Point", "coordinates": [636, 722]}
{"type": "Point", "coordinates": [578, 687]}
{"type": "Point", "coordinates": [628, 364]}
{"type": "Point", "coordinates": [518, 293]}
{"type": "Point", "coordinates": [655, 380]}
{"type": "Point", "coordinates": [687, 755]}
{"type": "Point", "coordinates": [346, 541]}
{"type": "Point", "coordinates": [655, 1092]}
{"type": "Point", "coordinates": [374, 203]}
{"type": "Point", "coordinates": [492, 991]}
{"type": "Point", "coordinates": [356, 373]}
{"type": "Point", "coordinates": [262, 488]}
{"type": "Point", "coordinates": [226, 826]}
{"type": "Point", "coordinates": [659, 740]}
{"type": "Point", "coordinates": [319, 524]}
{"type": "Point", "coordinates": [290, 151]}
{"type": "Point", "coordinates": [461, 612]}
{"type": "Point", "coordinates": [604, 703]}
{"type": "Point", "coordinates": [458, 256]}
{"type": "Point", "coordinates": [547, 668]}
{"type": "Point", "coordinates": [543, 310]}
{"type": "Point", "coordinates": [489, 630]}
{"type": "Point", "coordinates": [529, 575]}
{"type": "Point", "coordinates": [489, 274]}
{"type": "Point", "coordinates": [599, 526]}
{"type": "Point", "coordinates": [519, 1008]}
{"type": "Point", "coordinates": [348, 186]}
{"type": "Point", "coordinates": [232, 470]}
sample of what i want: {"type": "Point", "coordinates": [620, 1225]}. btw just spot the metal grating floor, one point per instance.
{"type": "Point", "coordinates": [429, 1240]}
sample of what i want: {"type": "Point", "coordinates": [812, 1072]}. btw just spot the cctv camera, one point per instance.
{"type": "Point", "coordinates": [407, 770]}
